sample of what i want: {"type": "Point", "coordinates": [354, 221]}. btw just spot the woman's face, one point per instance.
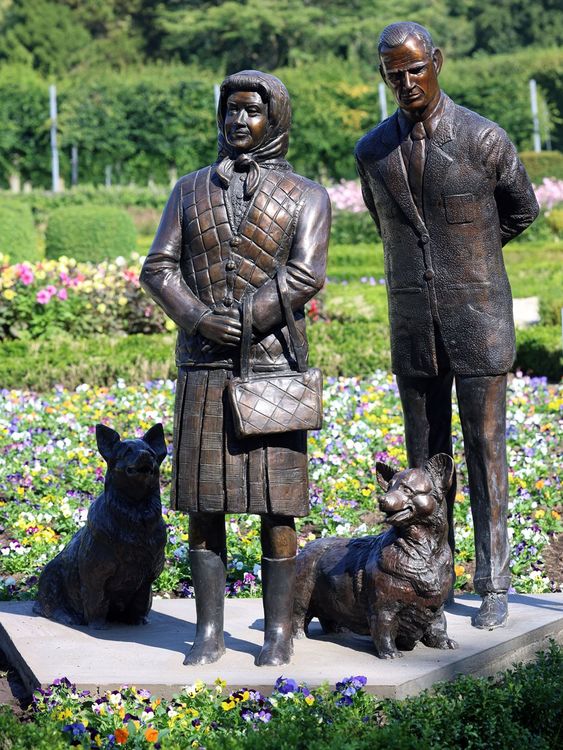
{"type": "Point", "coordinates": [246, 120]}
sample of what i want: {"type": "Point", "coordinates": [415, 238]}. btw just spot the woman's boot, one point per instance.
{"type": "Point", "coordinates": [278, 583]}
{"type": "Point", "coordinates": [208, 575]}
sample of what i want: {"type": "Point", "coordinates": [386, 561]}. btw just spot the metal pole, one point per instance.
{"type": "Point", "coordinates": [216, 94]}
{"type": "Point", "coordinates": [54, 148]}
{"type": "Point", "coordinates": [108, 175]}
{"type": "Point", "coordinates": [74, 165]}
{"type": "Point", "coordinates": [535, 118]}
{"type": "Point", "coordinates": [382, 101]}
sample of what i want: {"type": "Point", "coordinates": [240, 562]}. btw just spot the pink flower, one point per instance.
{"type": "Point", "coordinates": [62, 294]}
{"type": "Point", "coordinates": [65, 278]}
{"type": "Point", "coordinates": [43, 296]}
{"type": "Point", "coordinates": [25, 274]}
{"type": "Point", "coordinates": [51, 290]}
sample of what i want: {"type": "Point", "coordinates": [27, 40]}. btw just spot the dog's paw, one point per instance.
{"type": "Point", "coordinates": [98, 624]}
{"type": "Point", "coordinates": [299, 634]}
{"type": "Point", "coordinates": [390, 654]}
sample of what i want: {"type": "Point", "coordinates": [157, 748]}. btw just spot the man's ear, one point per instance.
{"type": "Point", "coordinates": [382, 73]}
{"type": "Point", "coordinates": [438, 60]}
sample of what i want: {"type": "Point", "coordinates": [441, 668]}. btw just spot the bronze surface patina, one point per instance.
{"type": "Point", "coordinates": [226, 231]}
{"type": "Point", "coordinates": [391, 586]}
{"type": "Point", "coordinates": [446, 190]}
{"type": "Point", "coordinates": [105, 573]}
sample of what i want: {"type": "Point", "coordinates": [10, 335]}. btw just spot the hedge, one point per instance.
{"type": "Point", "coordinates": [543, 164]}
{"type": "Point", "coordinates": [18, 238]}
{"type": "Point", "coordinates": [90, 233]}
{"type": "Point", "coordinates": [339, 347]}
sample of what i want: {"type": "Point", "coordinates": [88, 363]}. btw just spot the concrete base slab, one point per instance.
{"type": "Point", "coordinates": [151, 656]}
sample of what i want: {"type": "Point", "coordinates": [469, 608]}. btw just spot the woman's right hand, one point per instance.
{"type": "Point", "coordinates": [222, 328]}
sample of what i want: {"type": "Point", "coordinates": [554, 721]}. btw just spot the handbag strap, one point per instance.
{"type": "Point", "coordinates": [297, 341]}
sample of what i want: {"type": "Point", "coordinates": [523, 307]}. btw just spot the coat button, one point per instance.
{"type": "Point", "coordinates": [425, 238]}
{"type": "Point", "coordinates": [235, 242]}
{"type": "Point", "coordinates": [228, 301]}
{"type": "Point", "coordinates": [428, 274]}
{"type": "Point", "coordinates": [230, 265]}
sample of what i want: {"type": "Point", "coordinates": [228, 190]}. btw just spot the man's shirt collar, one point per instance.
{"type": "Point", "coordinates": [430, 121]}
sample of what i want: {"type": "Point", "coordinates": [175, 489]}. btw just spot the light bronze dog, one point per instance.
{"type": "Point", "coordinates": [391, 586]}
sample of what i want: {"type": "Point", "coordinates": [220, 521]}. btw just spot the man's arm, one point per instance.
{"type": "Point", "coordinates": [306, 265]}
{"type": "Point", "coordinates": [514, 195]}
{"type": "Point", "coordinates": [366, 192]}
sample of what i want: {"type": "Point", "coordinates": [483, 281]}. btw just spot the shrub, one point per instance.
{"type": "Point", "coordinates": [18, 239]}
{"type": "Point", "coordinates": [350, 227]}
{"type": "Point", "coordinates": [543, 164]}
{"type": "Point", "coordinates": [90, 233]}
{"type": "Point", "coordinates": [555, 221]}
{"type": "Point", "coordinates": [538, 351]}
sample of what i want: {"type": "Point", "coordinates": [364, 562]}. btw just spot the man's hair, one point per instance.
{"type": "Point", "coordinates": [396, 34]}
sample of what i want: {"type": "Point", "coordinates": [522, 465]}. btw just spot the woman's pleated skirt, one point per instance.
{"type": "Point", "coordinates": [216, 472]}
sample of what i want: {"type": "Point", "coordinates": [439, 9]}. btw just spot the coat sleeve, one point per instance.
{"type": "Point", "coordinates": [366, 192]}
{"type": "Point", "coordinates": [306, 264]}
{"type": "Point", "coordinates": [161, 277]}
{"type": "Point", "coordinates": [514, 194]}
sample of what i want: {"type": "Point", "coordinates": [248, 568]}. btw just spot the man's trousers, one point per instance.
{"type": "Point", "coordinates": [427, 413]}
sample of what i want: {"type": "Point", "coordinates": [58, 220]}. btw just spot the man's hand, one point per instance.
{"type": "Point", "coordinates": [222, 328]}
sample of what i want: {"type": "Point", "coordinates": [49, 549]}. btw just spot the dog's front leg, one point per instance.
{"type": "Point", "coordinates": [436, 636]}
{"type": "Point", "coordinates": [383, 626]}
{"type": "Point", "coordinates": [96, 606]}
{"type": "Point", "coordinates": [139, 607]}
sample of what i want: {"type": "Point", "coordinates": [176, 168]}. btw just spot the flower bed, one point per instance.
{"type": "Point", "coordinates": [43, 299]}
{"type": "Point", "coordinates": [467, 713]}
{"type": "Point", "coordinates": [50, 471]}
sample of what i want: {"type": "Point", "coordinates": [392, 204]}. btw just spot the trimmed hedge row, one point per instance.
{"type": "Point", "coordinates": [90, 233]}
{"type": "Point", "coordinates": [338, 347]}
{"type": "Point", "coordinates": [18, 238]}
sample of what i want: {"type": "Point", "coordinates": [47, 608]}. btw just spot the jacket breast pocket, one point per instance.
{"type": "Point", "coordinates": [460, 209]}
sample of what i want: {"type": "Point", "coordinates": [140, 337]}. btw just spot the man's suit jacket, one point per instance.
{"type": "Point", "coordinates": [445, 268]}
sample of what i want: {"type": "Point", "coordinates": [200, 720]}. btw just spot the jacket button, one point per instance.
{"type": "Point", "coordinates": [428, 274]}
{"type": "Point", "coordinates": [235, 242]}
{"type": "Point", "coordinates": [228, 301]}
{"type": "Point", "coordinates": [425, 238]}
{"type": "Point", "coordinates": [230, 265]}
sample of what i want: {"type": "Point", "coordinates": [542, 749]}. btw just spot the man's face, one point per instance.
{"type": "Point", "coordinates": [246, 120]}
{"type": "Point", "coordinates": [412, 75]}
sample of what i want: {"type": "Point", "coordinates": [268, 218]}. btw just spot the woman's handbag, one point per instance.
{"type": "Point", "coordinates": [267, 403]}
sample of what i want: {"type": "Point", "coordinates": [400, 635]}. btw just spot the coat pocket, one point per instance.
{"type": "Point", "coordinates": [460, 209]}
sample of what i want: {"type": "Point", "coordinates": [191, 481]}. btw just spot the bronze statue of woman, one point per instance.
{"type": "Point", "coordinates": [225, 232]}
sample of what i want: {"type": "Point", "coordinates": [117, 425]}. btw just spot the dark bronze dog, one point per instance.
{"type": "Point", "coordinates": [106, 571]}
{"type": "Point", "coordinates": [391, 586]}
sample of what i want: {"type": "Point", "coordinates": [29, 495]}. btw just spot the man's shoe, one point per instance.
{"type": "Point", "coordinates": [493, 612]}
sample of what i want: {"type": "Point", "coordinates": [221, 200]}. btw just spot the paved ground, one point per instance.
{"type": "Point", "coordinates": [151, 656]}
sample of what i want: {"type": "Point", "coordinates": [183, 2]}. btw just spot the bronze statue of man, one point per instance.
{"type": "Point", "coordinates": [226, 231]}
{"type": "Point", "coordinates": [446, 190]}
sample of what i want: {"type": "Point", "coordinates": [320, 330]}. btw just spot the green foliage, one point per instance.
{"type": "Point", "coordinates": [18, 735]}
{"type": "Point", "coordinates": [18, 239]}
{"type": "Point", "coordinates": [100, 360]}
{"type": "Point", "coordinates": [42, 203]}
{"type": "Point", "coordinates": [89, 233]}
{"type": "Point", "coordinates": [555, 221]}
{"type": "Point", "coordinates": [539, 351]}
{"type": "Point", "coordinates": [543, 164]}
{"type": "Point", "coordinates": [349, 228]}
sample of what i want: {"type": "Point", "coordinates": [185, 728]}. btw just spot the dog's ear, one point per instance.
{"type": "Point", "coordinates": [384, 474]}
{"type": "Point", "coordinates": [107, 439]}
{"type": "Point", "coordinates": [442, 470]}
{"type": "Point", "coordinates": [155, 439]}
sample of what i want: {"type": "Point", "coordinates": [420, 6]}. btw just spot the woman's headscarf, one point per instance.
{"type": "Point", "coordinates": [271, 151]}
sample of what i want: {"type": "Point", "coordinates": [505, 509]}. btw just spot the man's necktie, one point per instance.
{"type": "Point", "coordinates": [416, 163]}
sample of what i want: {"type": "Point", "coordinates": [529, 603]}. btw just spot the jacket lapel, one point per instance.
{"type": "Point", "coordinates": [437, 160]}
{"type": "Point", "coordinates": [393, 171]}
